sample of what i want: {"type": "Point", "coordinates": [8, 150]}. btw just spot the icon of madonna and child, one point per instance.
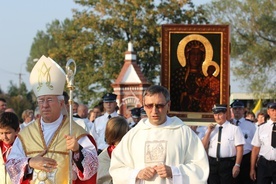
{"type": "Point", "coordinates": [195, 85]}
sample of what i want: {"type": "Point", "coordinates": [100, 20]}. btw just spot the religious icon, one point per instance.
{"type": "Point", "coordinates": [194, 67]}
{"type": "Point", "coordinates": [196, 86]}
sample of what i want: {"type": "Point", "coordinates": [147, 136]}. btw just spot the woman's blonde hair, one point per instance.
{"type": "Point", "coordinates": [27, 113]}
{"type": "Point", "coordinates": [116, 128]}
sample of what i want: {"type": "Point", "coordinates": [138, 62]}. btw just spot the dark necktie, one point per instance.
{"type": "Point", "coordinates": [237, 123]}
{"type": "Point", "coordinates": [109, 116]}
{"type": "Point", "coordinates": [219, 142]}
{"type": "Point", "coordinates": [273, 136]}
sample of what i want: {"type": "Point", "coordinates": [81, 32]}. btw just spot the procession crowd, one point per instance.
{"type": "Point", "coordinates": [98, 145]}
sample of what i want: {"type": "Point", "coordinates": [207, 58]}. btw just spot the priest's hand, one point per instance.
{"type": "Point", "coordinates": [146, 173]}
{"type": "Point", "coordinates": [40, 162]}
{"type": "Point", "coordinates": [163, 171]}
{"type": "Point", "coordinates": [72, 143]}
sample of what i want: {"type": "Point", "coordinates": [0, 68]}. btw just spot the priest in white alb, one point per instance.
{"type": "Point", "coordinates": [159, 149]}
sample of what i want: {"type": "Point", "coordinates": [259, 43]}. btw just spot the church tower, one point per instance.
{"type": "Point", "coordinates": [130, 84]}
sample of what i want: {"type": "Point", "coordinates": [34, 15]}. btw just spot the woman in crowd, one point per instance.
{"type": "Point", "coordinates": [116, 128]}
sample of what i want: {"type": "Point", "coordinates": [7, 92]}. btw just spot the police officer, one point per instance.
{"type": "Point", "coordinates": [264, 146]}
{"type": "Point", "coordinates": [224, 145]}
{"type": "Point", "coordinates": [98, 132]}
{"type": "Point", "coordinates": [136, 116]}
{"type": "Point", "coordinates": [248, 129]}
{"type": "Point", "coordinates": [143, 113]}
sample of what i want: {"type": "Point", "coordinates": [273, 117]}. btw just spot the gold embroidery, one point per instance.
{"type": "Point", "coordinates": [44, 72]}
{"type": "Point", "coordinates": [55, 150]}
{"type": "Point", "coordinates": [43, 177]}
{"type": "Point", "coordinates": [54, 138]}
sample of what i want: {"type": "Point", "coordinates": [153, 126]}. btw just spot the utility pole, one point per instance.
{"type": "Point", "coordinates": [20, 78]}
{"type": "Point", "coordinates": [20, 75]}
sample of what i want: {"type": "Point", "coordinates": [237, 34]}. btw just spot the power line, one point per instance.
{"type": "Point", "coordinates": [6, 71]}
{"type": "Point", "coordinates": [14, 73]}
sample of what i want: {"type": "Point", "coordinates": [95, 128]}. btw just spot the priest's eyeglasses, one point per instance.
{"type": "Point", "coordinates": [157, 106]}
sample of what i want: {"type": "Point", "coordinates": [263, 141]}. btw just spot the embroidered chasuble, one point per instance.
{"type": "Point", "coordinates": [33, 143]}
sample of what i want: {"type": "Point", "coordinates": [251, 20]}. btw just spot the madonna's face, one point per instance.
{"type": "Point", "coordinates": [196, 57]}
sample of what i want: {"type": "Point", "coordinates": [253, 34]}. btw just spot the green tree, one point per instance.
{"type": "Point", "coordinates": [41, 45]}
{"type": "Point", "coordinates": [253, 26]}
{"type": "Point", "coordinates": [97, 37]}
{"type": "Point", "coordinates": [19, 98]}
{"type": "Point", "coordinates": [1, 91]}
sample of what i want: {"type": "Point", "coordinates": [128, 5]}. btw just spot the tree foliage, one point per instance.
{"type": "Point", "coordinates": [18, 98]}
{"type": "Point", "coordinates": [97, 37]}
{"type": "Point", "coordinates": [253, 26]}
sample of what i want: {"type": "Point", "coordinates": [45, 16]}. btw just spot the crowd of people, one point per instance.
{"type": "Point", "coordinates": [233, 146]}
{"type": "Point", "coordinates": [101, 146]}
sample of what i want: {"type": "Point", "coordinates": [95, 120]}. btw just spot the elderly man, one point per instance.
{"type": "Point", "coordinates": [40, 153]}
{"type": "Point", "coordinates": [224, 144]}
{"type": "Point", "coordinates": [159, 149]}
{"type": "Point", "coordinates": [82, 119]}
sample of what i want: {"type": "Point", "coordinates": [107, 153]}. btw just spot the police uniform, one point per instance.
{"type": "Point", "coordinates": [266, 165]}
{"type": "Point", "coordinates": [143, 113]}
{"type": "Point", "coordinates": [98, 131]}
{"type": "Point", "coordinates": [135, 114]}
{"type": "Point", "coordinates": [248, 129]}
{"type": "Point", "coordinates": [231, 137]}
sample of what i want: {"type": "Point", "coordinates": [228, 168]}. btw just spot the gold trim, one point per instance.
{"type": "Point", "coordinates": [208, 50]}
{"type": "Point", "coordinates": [205, 66]}
{"type": "Point", "coordinates": [54, 136]}
{"type": "Point", "coordinates": [44, 71]}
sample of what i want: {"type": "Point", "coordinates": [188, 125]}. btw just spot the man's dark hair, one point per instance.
{"type": "Point", "coordinates": [155, 89]}
{"type": "Point", "coordinates": [3, 100]}
{"type": "Point", "coordinates": [9, 119]}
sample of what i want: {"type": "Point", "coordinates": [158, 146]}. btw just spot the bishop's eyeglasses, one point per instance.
{"type": "Point", "coordinates": [47, 100]}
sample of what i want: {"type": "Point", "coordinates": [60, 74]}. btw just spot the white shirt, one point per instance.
{"type": "Point", "coordinates": [231, 136]}
{"type": "Point", "coordinates": [103, 176]}
{"type": "Point", "coordinates": [4, 175]}
{"type": "Point", "coordinates": [248, 129]}
{"type": "Point", "coordinates": [262, 139]}
{"type": "Point", "coordinates": [99, 130]}
{"type": "Point", "coordinates": [24, 124]}
{"type": "Point", "coordinates": [85, 124]}
{"type": "Point", "coordinates": [200, 131]}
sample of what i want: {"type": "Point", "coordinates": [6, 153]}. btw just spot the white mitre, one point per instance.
{"type": "Point", "coordinates": [47, 77]}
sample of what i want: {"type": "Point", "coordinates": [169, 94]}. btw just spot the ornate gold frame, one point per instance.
{"type": "Point", "coordinates": [216, 42]}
